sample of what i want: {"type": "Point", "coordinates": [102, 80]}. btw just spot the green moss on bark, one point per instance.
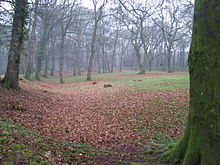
{"type": "Point", "coordinates": [177, 153]}
{"type": "Point", "coordinates": [200, 144]}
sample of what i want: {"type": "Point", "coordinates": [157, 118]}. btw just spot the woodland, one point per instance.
{"type": "Point", "coordinates": [110, 82]}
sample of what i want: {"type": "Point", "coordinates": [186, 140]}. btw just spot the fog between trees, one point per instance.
{"type": "Point", "coordinates": [64, 37]}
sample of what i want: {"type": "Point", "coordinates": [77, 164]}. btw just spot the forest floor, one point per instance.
{"type": "Point", "coordinates": [81, 122]}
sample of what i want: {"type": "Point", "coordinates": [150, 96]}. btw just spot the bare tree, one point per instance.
{"type": "Point", "coordinates": [66, 17]}
{"type": "Point", "coordinates": [48, 13]}
{"type": "Point", "coordinates": [98, 15]}
{"type": "Point", "coordinates": [11, 79]}
{"type": "Point", "coordinates": [171, 22]}
{"type": "Point", "coordinates": [32, 42]}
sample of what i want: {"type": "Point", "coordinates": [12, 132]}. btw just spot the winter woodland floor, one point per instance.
{"type": "Point", "coordinates": [80, 122]}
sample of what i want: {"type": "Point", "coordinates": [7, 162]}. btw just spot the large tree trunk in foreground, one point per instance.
{"type": "Point", "coordinates": [11, 79]}
{"type": "Point", "coordinates": [200, 144]}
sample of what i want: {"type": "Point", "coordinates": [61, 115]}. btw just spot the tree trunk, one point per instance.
{"type": "Point", "coordinates": [200, 144]}
{"type": "Point", "coordinates": [114, 51]}
{"type": "Point", "coordinates": [174, 59]}
{"type": "Point", "coordinates": [61, 59]}
{"type": "Point", "coordinates": [46, 63]}
{"type": "Point", "coordinates": [78, 61]}
{"type": "Point", "coordinates": [23, 61]}
{"type": "Point", "coordinates": [89, 72]}
{"type": "Point", "coordinates": [11, 79]}
{"type": "Point", "coordinates": [52, 65]}
{"type": "Point", "coordinates": [32, 44]}
{"type": "Point", "coordinates": [150, 65]}
{"type": "Point", "coordinates": [98, 60]}
{"type": "Point", "coordinates": [145, 60]}
{"type": "Point", "coordinates": [42, 48]}
{"type": "Point", "coordinates": [53, 57]}
{"type": "Point", "coordinates": [107, 64]}
{"type": "Point", "coordinates": [121, 58]}
{"type": "Point", "coordinates": [183, 60]}
{"type": "Point", "coordinates": [92, 55]}
{"type": "Point", "coordinates": [78, 53]}
{"type": "Point", "coordinates": [38, 68]}
{"type": "Point", "coordinates": [1, 63]}
{"type": "Point", "coordinates": [103, 58]}
{"type": "Point", "coordinates": [140, 65]}
{"type": "Point", "coordinates": [169, 59]}
{"type": "Point", "coordinates": [74, 59]}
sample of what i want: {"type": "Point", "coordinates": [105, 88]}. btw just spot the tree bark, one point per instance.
{"type": "Point", "coordinates": [53, 57]}
{"type": "Point", "coordinates": [97, 18]}
{"type": "Point", "coordinates": [114, 51]}
{"type": "Point", "coordinates": [174, 61]}
{"type": "Point", "coordinates": [150, 65]}
{"type": "Point", "coordinates": [32, 44]}
{"type": "Point", "coordinates": [169, 59]}
{"type": "Point", "coordinates": [138, 56]}
{"type": "Point", "coordinates": [121, 57]}
{"type": "Point", "coordinates": [42, 48]}
{"type": "Point", "coordinates": [92, 55]}
{"type": "Point", "coordinates": [200, 144]}
{"type": "Point", "coordinates": [61, 60]}
{"type": "Point", "coordinates": [11, 79]}
{"type": "Point", "coordinates": [98, 59]}
{"type": "Point", "coordinates": [46, 62]}
{"type": "Point", "coordinates": [104, 70]}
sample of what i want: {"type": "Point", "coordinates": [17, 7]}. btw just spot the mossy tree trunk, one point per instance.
{"type": "Point", "coordinates": [200, 144]}
{"type": "Point", "coordinates": [11, 79]}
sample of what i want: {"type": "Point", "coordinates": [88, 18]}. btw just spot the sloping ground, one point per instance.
{"type": "Point", "coordinates": [122, 123]}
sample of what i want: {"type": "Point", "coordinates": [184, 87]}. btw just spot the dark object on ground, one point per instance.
{"type": "Point", "coordinates": [137, 80]}
{"type": "Point", "coordinates": [94, 83]}
{"type": "Point", "coordinates": [15, 105]}
{"type": "Point", "coordinates": [107, 85]}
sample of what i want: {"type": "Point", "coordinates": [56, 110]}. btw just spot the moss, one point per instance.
{"type": "Point", "coordinates": [134, 163]}
{"type": "Point", "coordinates": [18, 146]}
{"type": "Point", "coordinates": [17, 149]}
{"type": "Point", "coordinates": [40, 163]}
{"type": "Point", "coordinates": [176, 154]}
{"type": "Point", "coordinates": [142, 72]}
{"type": "Point", "coordinates": [202, 144]}
{"type": "Point", "coordinates": [2, 139]}
{"type": "Point", "coordinates": [146, 157]}
{"type": "Point", "coordinates": [9, 163]}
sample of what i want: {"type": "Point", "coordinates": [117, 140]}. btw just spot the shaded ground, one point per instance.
{"type": "Point", "coordinates": [138, 116]}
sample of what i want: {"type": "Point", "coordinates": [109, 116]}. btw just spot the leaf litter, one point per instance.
{"type": "Point", "coordinates": [101, 117]}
